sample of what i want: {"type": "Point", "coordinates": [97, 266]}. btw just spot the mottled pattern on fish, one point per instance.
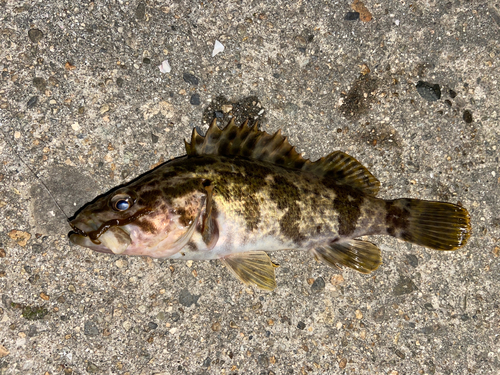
{"type": "Point", "coordinates": [241, 192]}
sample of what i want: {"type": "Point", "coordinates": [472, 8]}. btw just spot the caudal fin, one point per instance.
{"type": "Point", "coordinates": [438, 225]}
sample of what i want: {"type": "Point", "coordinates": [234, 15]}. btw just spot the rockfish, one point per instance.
{"type": "Point", "coordinates": [241, 192]}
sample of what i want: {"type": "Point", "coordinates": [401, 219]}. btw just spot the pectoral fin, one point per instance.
{"type": "Point", "coordinates": [362, 256]}
{"type": "Point", "coordinates": [210, 228]}
{"type": "Point", "coordinates": [254, 268]}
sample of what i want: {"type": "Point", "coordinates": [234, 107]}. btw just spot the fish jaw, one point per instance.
{"type": "Point", "coordinates": [114, 240]}
{"type": "Point", "coordinates": [84, 241]}
{"type": "Point", "coordinates": [79, 235]}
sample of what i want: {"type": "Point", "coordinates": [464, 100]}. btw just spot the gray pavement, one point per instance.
{"type": "Point", "coordinates": [84, 104]}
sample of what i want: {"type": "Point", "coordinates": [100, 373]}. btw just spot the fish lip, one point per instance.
{"type": "Point", "coordinates": [80, 236]}
{"type": "Point", "coordinates": [83, 241]}
{"type": "Point", "coordinates": [71, 233]}
{"type": "Point", "coordinates": [103, 251]}
{"type": "Point", "coordinates": [82, 228]}
{"type": "Point", "coordinates": [76, 238]}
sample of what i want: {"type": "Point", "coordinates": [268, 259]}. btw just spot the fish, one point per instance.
{"type": "Point", "coordinates": [240, 193]}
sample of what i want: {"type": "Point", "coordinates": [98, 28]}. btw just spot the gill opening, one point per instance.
{"type": "Point", "coordinates": [77, 230]}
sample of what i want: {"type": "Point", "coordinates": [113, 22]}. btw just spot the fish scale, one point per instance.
{"type": "Point", "coordinates": [240, 193]}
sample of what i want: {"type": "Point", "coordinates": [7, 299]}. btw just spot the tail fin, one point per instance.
{"type": "Point", "coordinates": [438, 225]}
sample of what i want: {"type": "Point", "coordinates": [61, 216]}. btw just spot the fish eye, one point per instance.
{"type": "Point", "coordinates": [121, 202]}
{"type": "Point", "coordinates": [122, 205]}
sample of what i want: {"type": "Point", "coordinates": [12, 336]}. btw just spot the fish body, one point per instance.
{"type": "Point", "coordinates": [240, 193]}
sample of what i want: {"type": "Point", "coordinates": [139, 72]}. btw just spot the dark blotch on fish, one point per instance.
{"type": "Point", "coordinates": [289, 223]}
{"type": "Point", "coordinates": [147, 198]}
{"type": "Point", "coordinates": [168, 175]}
{"type": "Point", "coordinates": [251, 212]}
{"type": "Point", "coordinates": [396, 218]}
{"type": "Point", "coordinates": [192, 246]}
{"type": "Point", "coordinates": [285, 194]}
{"type": "Point", "coordinates": [146, 226]}
{"type": "Point", "coordinates": [175, 191]}
{"type": "Point", "coordinates": [347, 202]}
{"type": "Point", "coordinates": [186, 217]}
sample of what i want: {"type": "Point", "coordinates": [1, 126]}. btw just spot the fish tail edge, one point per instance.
{"type": "Point", "coordinates": [436, 225]}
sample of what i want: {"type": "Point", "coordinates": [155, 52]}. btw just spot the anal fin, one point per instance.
{"type": "Point", "coordinates": [362, 256]}
{"type": "Point", "coordinates": [252, 268]}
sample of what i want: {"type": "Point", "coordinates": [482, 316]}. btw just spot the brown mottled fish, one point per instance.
{"type": "Point", "coordinates": [241, 192]}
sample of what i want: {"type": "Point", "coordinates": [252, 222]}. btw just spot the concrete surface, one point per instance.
{"type": "Point", "coordinates": [84, 104]}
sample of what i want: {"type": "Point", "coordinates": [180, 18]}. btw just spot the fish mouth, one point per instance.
{"type": "Point", "coordinates": [84, 241]}
{"type": "Point", "coordinates": [110, 240]}
{"type": "Point", "coordinates": [114, 240]}
{"type": "Point", "coordinates": [108, 237]}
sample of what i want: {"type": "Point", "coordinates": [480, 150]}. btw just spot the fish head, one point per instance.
{"type": "Point", "coordinates": [140, 219]}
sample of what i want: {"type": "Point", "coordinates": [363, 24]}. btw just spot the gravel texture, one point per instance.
{"type": "Point", "coordinates": [83, 103]}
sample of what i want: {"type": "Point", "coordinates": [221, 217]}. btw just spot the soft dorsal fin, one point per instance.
{"type": "Point", "coordinates": [252, 143]}
{"type": "Point", "coordinates": [345, 170]}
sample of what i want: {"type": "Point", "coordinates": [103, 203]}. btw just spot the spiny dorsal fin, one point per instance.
{"type": "Point", "coordinates": [246, 141]}
{"type": "Point", "coordinates": [250, 142]}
